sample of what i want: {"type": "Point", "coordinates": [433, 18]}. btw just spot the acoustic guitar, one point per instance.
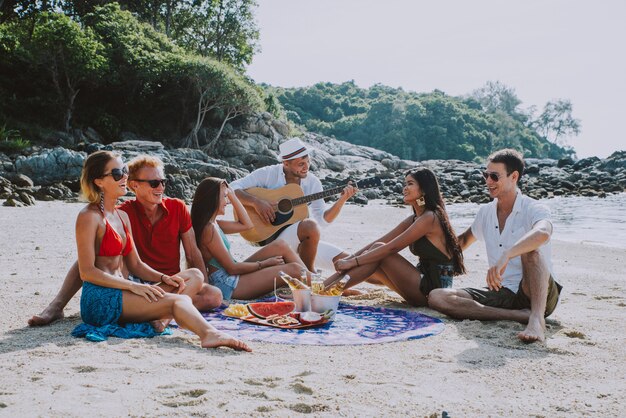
{"type": "Point", "coordinates": [291, 207]}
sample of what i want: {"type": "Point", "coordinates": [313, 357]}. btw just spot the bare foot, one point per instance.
{"type": "Point", "coordinates": [158, 325]}
{"type": "Point", "coordinates": [48, 316]}
{"type": "Point", "coordinates": [535, 331]}
{"type": "Point", "coordinates": [219, 339]}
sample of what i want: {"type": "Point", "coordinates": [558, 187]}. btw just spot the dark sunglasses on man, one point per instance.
{"type": "Point", "coordinates": [493, 175]}
{"type": "Point", "coordinates": [117, 173]}
{"type": "Point", "coordinates": [153, 183]}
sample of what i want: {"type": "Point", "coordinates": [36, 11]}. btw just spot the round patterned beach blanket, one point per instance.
{"type": "Point", "coordinates": [353, 325]}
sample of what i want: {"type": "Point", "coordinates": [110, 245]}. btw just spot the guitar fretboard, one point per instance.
{"type": "Point", "coordinates": [309, 198]}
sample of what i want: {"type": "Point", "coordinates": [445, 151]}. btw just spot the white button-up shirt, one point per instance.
{"type": "Point", "coordinates": [526, 213]}
{"type": "Point", "coordinates": [273, 177]}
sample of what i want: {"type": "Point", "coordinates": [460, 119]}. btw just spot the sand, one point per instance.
{"type": "Point", "coordinates": [471, 369]}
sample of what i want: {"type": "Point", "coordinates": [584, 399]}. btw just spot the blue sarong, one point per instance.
{"type": "Point", "coordinates": [100, 309]}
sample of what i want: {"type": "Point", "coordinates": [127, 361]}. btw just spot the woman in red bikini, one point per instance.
{"type": "Point", "coordinates": [110, 303]}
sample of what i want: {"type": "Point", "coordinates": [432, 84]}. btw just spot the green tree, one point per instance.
{"type": "Point", "coordinates": [71, 56]}
{"type": "Point", "coordinates": [215, 89]}
{"type": "Point", "coordinates": [417, 125]}
{"type": "Point", "coordinates": [556, 122]}
{"type": "Point", "coordinates": [495, 96]}
{"type": "Point", "coordinates": [222, 29]}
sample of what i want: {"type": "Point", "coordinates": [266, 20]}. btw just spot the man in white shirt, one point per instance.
{"type": "Point", "coordinates": [302, 236]}
{"type": "Point", "coordinates": [516, 230]}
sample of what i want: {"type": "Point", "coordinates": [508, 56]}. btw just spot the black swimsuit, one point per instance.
{"type": "Point", "coordinates": [436, 267]}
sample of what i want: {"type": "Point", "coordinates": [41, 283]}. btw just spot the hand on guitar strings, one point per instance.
{"type": "Point", "coordinates": [266, 210]}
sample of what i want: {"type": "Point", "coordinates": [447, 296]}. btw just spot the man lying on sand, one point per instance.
{"type": "Point", "coordinates": [159, 224]}
{"type": "Point", "coordinates": [516, 230]}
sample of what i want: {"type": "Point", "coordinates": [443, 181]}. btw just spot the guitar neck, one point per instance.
{"type": "Point", "coordinates": [321, 195]}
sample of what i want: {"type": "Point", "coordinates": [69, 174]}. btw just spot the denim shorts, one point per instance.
{"type": "Point", "coordinates": [224, 281]}
{"type": "Point", "coordinates": [136, 279]}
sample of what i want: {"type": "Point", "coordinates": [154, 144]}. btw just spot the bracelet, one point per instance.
{"type": "Point", "coordinates": [259, 264]}
{"type": "Point", "coordinates": [357, 261]}
{"type": "Point", "coordinates": [161, 278]}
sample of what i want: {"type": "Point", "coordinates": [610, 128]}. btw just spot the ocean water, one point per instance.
{"type": "Point", "coordinates": [591, 220]}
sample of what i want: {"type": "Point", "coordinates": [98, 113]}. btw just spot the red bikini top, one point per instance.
{"type": "Point", "coordinates": [112, 244]}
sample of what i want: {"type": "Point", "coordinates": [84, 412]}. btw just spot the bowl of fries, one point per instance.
{"type": "Point", "coordinates": [324, 303]}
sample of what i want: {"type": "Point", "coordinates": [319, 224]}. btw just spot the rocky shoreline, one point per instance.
{"type": "Point", "coordinates": [40, 173]}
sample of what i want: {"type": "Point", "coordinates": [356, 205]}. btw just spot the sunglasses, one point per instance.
{"type": "Point", "coordinates": [154, 183]}
{"type": "Point", "coordinates": [493, 176]}
{"type": "Point", "coordinates": [117, 173]}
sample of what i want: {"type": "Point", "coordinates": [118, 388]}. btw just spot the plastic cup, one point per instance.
{"type": "Point", "coordinates": [317, 283]}
{"type": "Point", "coordinates": [321, 303]}
{"type": "Point", "coordinates": [302, 299]}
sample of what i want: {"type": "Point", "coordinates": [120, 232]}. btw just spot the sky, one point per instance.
{"type": "Point", "coordinates": [543, 49]}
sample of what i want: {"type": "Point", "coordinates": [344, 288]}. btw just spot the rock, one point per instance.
{"type": "Point", "coordinates": [20, 180]}
{"type": "Point", "coordinates": [6, 188]}
{"type": "Point", "coordinates": [25, 198]}
{"type": "Point", "coordinates": [259, 124]}
{"type": "Point", "coordinates": [397, 164]}
{"type": "Point", "coordinates": [13, 203]}
{"type": "Point", "coordinates": [6, 164]}
{"type": "Point", "coordinates": [541, 162]}
{"type": "Point", "coordinates": [91, 148]}
{"type": "Point", "coordinates": [139, 146]}
{"type": "Point", "coordinates": [565, 162]}
{"type": "Point", "coordinates": [371, 194]}
{"type": "Point", "coordinates": [531, 169]}
{"type": "Point", "coordinates": [189, 154]}
{"type": "Point", "coordinates": [54, 192]}
{"type": "Point", "coordinates": [51, 165]}
{"type": "Point", "coordinates": [180, 186]}
{"type": "Point", "coordinates": [92, 136]}
{"type": "Point", "coordinates": [586, 162]}
{"type": "Point", "coordinates": [359, 199]}
{"type": "Point", "coordinates": [615, 162]}
{"type": "Point", "coordinates": [59, 138]}
{"type": "Point", "coordinates": [335, 164]}
{"type": "Point", "coordinates": [281, 127]}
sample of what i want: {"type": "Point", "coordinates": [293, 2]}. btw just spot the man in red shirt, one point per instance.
{"type": "Point", "coordinates": [159, 225]}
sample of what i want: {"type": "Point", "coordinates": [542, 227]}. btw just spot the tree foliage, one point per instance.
{"type": "Point", "coordinates": [556, 121]}
{"type": "Point", "coordinates": [121, 74]}
{"type": "Point", "coordinates": [70, 55]}
{"type": "Point", "coordinates": [222, 29]}
{"type": "Point", "coordinates": [418, 126]}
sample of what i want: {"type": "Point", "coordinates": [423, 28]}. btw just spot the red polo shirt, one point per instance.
{"type": "Point", "coordinates": [158, 245]}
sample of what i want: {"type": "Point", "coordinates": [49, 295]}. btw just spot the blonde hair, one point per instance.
{"type": "Point", "coordinates": [139, 162]}
{"type": "Point", "coordinates": [142, 161]}
{"type": "Point", "coordinates": [93, 168]}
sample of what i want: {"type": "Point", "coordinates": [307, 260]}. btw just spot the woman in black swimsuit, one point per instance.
{"type": "Point", "coordinates": [427, 233]}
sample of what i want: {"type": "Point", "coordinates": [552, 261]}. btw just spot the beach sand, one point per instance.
{"type": "Point", "coordinates": [471, 369]}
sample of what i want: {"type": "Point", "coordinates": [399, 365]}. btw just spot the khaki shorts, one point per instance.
{"type": "Point", "coordinates": [507, 299]}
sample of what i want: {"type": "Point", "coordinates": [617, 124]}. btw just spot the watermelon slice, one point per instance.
{"type": "Point", "coordinates": [264, 309]}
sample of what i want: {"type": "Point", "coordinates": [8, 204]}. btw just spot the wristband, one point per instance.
{"type": "Point", "coordinates": [161, 278]}
{"type": "Point", "coordinates": [357, 261]}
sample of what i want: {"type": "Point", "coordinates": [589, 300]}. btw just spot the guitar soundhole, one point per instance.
{"type": "Point", "coordinates": [284, 206]}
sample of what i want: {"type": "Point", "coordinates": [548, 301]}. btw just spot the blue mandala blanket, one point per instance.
{"type": "Point", "coordinates": [353, 325]}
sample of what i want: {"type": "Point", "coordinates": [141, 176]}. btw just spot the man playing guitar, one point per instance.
{"type": "Point", "coordinates": [302, 236]}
